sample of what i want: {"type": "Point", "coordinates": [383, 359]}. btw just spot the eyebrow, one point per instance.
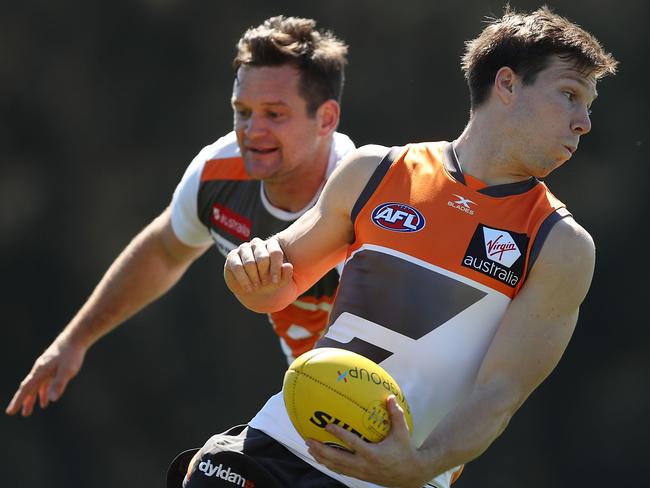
{"type": "Point", "coordinates": [264, 104]}
{"type": "Point", "coordinates": [583, 82]}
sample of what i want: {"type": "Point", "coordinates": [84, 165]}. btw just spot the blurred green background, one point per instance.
{"type": "Point", "coordinates": [102, 106]}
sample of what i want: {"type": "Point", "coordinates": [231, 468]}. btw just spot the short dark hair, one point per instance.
{"type": "Point", "coordinates": [525, 43]}
{"type": "Point", "coordinates": [319, 55]}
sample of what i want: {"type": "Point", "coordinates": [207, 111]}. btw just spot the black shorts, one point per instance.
{"type": "Point", "coordinates": [244, 457]}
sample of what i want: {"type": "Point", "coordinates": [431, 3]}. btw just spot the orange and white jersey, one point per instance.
{"type": "Point", "coordinates": [436, 260]}
{"type": "Point", "coordinates": [216, 201]}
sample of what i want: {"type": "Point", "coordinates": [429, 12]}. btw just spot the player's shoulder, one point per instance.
{"type": "Point", "coordinates": [352, 174]}
{"type": "Point", "coordinates": [373, 150]}
{"type": "Point", "coordinates": [223, 148]}
{"type": "Point", "coordinates": [342, 144]}
{"type": "Point", "coordinates": [359, 163]}
{"type": "Point", "coordinates": [568, 232]}
{"type": "Point", "coordinates": [562, 274]}
{"type": "Point", "coordinates": [366, 157]}
{"type": "Point", "coordinates": [569, 247]}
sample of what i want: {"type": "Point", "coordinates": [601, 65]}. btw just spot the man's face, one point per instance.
{"type": "Point", "coordinates": [275, 135]}
{"type": "Point", "coordinates": [551, 114]}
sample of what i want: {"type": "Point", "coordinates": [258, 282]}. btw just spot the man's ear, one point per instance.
{"type": "Point", "coordinates": [328, 116]}
{"type": "Point", "coordinates": [505, 84]}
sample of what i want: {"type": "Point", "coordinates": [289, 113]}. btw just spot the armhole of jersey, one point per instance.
{"type": "Point", "coordinates": [542, 233]}
{"type": "Point", "coordinates": [374, 181]}
{"type": "Point", "coordinates": [185, 220]}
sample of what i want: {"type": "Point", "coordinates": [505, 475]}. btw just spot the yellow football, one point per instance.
{"type": "Point", "coordinates": [330, 385]}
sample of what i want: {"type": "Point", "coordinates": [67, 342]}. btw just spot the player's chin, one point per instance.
{"type": "Point", "coordinates": [563, 156]}
{"type": "Point", "coordinates": [559, 162]}
{"type": "Point", "coordinates": [262, 170]}
{"type": "Point", "coordinates": [546, 169]}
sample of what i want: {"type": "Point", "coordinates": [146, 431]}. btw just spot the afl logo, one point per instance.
{"type": "Point", "coordinates": [398, 217]}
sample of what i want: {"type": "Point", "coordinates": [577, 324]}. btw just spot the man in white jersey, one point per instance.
{"type": "Point", "coordinates": [255, 181]}
{"type": "Point", "coordinates": [463, 274]}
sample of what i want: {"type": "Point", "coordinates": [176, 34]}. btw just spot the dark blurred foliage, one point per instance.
{"type": "Point", "coordinates": [102, 106]}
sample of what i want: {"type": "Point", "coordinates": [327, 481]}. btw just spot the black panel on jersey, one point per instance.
{"type": "Point", "coordinates": [418, 300]}
{"type": "Point", "coordinates": [507, 189]}
{"type": "Point", "coordinates": [374, 181]}
{"type": "Point", "coordinates": [237, 195]}
{"type": "Point", "coordinates": [365, 348]}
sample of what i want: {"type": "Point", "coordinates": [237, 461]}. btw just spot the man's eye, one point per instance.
{"type": "Point", "coordinates": [570, 95]}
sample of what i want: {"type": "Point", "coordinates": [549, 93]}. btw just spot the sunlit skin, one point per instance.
{"type": "Point", "coordinates": [280, 142]}
{"type": "Point", "coordinates": [538, 126]}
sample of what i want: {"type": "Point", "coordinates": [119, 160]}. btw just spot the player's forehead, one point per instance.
{"type": "Point", "coordinates": [563, 69]}
{"type": "Point", "coordinates": [266, 84]}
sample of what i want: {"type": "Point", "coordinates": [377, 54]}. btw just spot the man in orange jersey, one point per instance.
{"type": "Point", "coordinates": [463, 273]}
{"type": "Point", "coordinates": [255, 181]}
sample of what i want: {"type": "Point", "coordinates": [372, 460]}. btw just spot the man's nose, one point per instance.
{"type": "Point", "coordinates": [255, 126]}
{"type": "Point", "coordinates": [581, 123]}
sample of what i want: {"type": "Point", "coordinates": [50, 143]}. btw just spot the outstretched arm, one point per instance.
{"type": "Point", "coordinates": [529, 343]}
{"type": "Point", "coordinates": [150, 265]}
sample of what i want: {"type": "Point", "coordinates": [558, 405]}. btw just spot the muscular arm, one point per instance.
{"type": "Point", "coordinates": [527, 346]}
{"type": "Point", "coordinates": [150, 265]}
{"type": "Point", "coordinates": [266, 276]}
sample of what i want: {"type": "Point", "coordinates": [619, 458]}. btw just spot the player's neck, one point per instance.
{"type": "Point", "coordinates": [293, 192]}
{"type": "Point", "coordinates": [484, 152]}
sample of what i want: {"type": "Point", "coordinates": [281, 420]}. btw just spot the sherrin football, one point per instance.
{"type": "Point", "coordinates": [330, 385]}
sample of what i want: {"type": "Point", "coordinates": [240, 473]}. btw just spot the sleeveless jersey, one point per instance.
{"type": "Point", "coordinates": [217, 201]}
{"type": "Point", "coordinates": [437, 258]}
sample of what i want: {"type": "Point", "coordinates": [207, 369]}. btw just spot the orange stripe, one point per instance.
{"type": "Point", "coordinates": [456, 474]}
{"type": "Point", "coordinates": [224, 169]}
